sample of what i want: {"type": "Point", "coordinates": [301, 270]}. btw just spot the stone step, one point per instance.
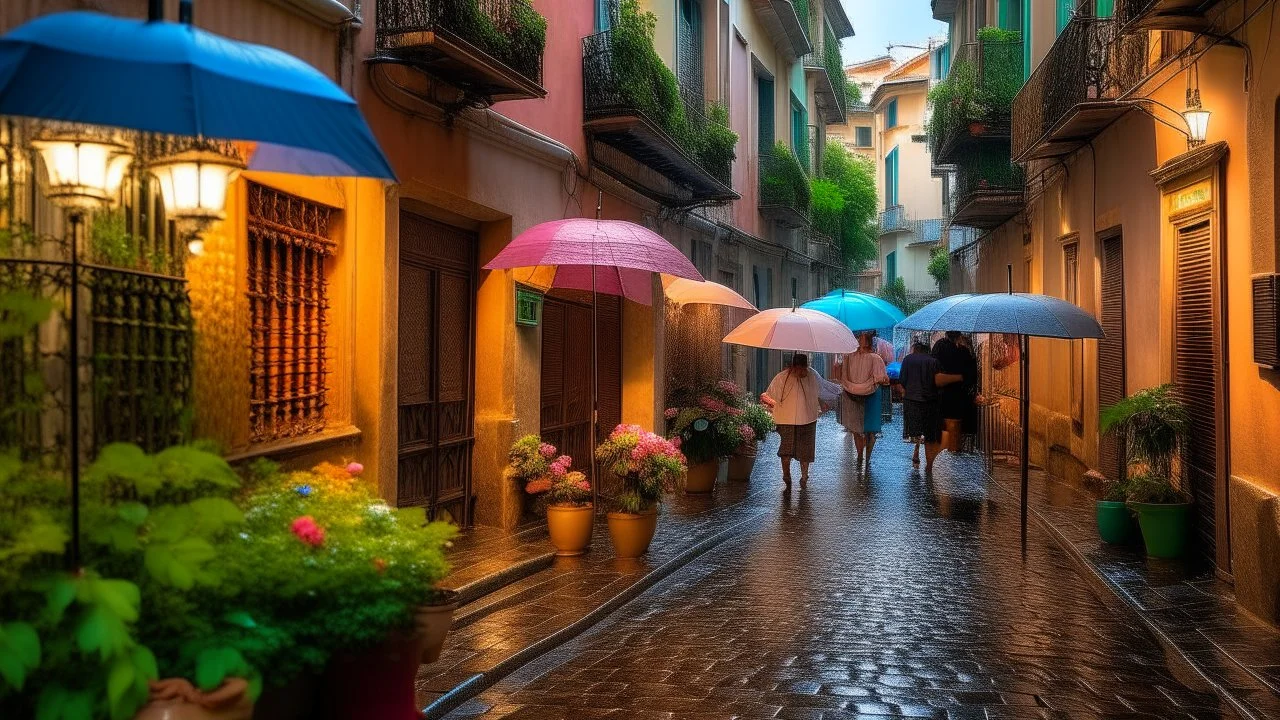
{"type": "Point", "coordinates": [486, 560]}
{"type": "Point", "coordinates": [510, 625]}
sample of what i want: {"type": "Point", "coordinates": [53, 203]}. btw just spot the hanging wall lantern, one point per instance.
{"type": "Point", "coordinates": [1195, 115]}
{"type": "Point", "coordinates": [194, 179]}
{"type": "Point", "coordinates": [85, 166]}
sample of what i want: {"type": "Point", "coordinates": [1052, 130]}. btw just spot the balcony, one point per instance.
{"type": "Point", "coordinates": [671, 153]}
{"type": "Point", "coordinates": [786, 22]}
{"type": "Point", "coordinates": [974, 103]}
{"type": "Point", "coordinates": [944, 10]}
{"type": "Point", "coordinates": [826, 68]}
{"type": "Point", "coordinates": [1185, 15]}
{"type": "Point", "coordinates": [784, 189]}
{"type": "Point", "coordinates": [491, 50]}
{"type": "Point", "coordinates": [1076, 91]}
{"type": "Point", "coordinates": [893, 219]}
{"type": "Point", "coordinates": [987, 190]}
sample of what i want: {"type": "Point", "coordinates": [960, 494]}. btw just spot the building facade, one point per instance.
{"type": "Point", "coordinates": [416, 361]}
{"type": "Point", "coordinates": [1114, 195]}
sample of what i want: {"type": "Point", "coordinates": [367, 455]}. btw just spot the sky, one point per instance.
{"type": "Point", "coordinates": [877, 23]}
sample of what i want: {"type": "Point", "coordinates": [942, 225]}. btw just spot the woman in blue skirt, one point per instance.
{"type": "Point", "coordinates": [861, 375]}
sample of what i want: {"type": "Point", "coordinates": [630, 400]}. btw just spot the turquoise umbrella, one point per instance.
{"type": "Point", "coordinates": [858, 311]}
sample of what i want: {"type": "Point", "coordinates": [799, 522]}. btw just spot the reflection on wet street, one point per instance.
{"type": "Point", "coordinates": [880, 594]}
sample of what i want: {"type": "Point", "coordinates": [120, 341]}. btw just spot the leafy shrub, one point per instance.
{"type": "Point", "coordinates": [955, 102]}
{"type": "Point", "coordinates": [940, 267]}
{"type": "Point", "coordinates": [783, 180]}
{"type": "Point", "coordinates": [855, 177]}
{"type": "Point", "coordinates": [826, 206]}
{"type": "Point", "coordinates": [647, 464]}
{"type": "Point", "coordinates": [1154, 424]}
{"type": "Point", "coordinates": [720, 143]}
{"type": "Point", "coordinates": [520, 48]}
{"type": "Point", "coordinates": [757, 417]}
{"type": "Point", "coordinates": [111, 241]}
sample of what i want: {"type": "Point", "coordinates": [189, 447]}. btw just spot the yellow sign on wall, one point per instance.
{"type": "Point", "coordinates": [1191, 196]}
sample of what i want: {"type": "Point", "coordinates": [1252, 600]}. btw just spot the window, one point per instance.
{"type": "Point", "coordinates": [862, 136]}
{"type": "Point", "coordinates": [764, 102]}
{"type": "Point", "coordinates": [1011, 14]}
{"type": "Point", "coordinates": [288, 246]}
{"type": "Point", "coordinates": [891, 178]}
{"type": "Point", "coordinates": [1104, 8]}
{"type": "Point", "coordinates": [799, 131]}
{"type": "Point", "coordinates": [891, 114]}
{"type": "Point", "coordinates": [1065, 11]}
{"type": "Point", "coordinates": [891, 267]}
{"type": "Point", "coordinates": [1026, 39]}
{"type": "Point", "coordinates": [941, 61]}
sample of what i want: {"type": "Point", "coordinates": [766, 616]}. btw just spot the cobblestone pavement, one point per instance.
{"type": "Point", "coordinates": [863, 596]}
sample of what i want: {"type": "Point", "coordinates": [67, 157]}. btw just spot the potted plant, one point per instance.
{"type": "Point", "coordinates": [757, 423]}
{"type": "Point", "coordinates": [1154, 424]}
{"type": "Point", "coordinates": [566, 494]}
{"type": "Point", "coordinates": [1114, 518]}
{"type": "Point", "coordinates": [707, 422]}
{"type": "Point", "coordinates": [647, 465]}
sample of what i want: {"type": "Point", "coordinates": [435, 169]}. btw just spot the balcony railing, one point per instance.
{"type": "Point", "coordinates": [826, 67]}
{"type": "Point", "coordinates": [994, 69]}
{"type": "Point", "coordinates": [959, 236]}
{"type": "Point", "coordinates": [1077, 90]}
{"type": "Point", "coordinates": [987, 189]}
{"type": "Point", "coordinates": [787, 23]}
{"type": "Point", "coordinates": [893, 219]}
{"type": "Point", "coordinates": [784, 190]}
{"type": "Point", "coordinates": [1186, 15]}
{"type": "Point", "coordinates": [640, 140]}
{"type": "Point", "coordinates": [490, 49]}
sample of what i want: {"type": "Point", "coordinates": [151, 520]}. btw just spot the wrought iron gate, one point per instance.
{"type": "Point", "coordinates": [436, 360]}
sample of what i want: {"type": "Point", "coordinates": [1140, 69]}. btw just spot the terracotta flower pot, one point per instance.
{"type": "Point", "coordinates": [432, 622]}
{"type": "Point", "coordinates": [570, 527]}
{"type": "Point", "coordinates": [742, 461]}
{"type": "Point", "coordinates": [178, 699]}
{"type": "Point", "coordinates": [701, 478]}
{"type": "Point", "coordinates": [376, 683]}
{"type": "Point", "coordinates": [632, 534]}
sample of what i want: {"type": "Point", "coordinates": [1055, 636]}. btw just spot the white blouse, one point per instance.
{"type": "Point", "coordinates": [797, 399]}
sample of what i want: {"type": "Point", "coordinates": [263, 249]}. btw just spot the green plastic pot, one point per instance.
{"type": "Point", "coordinates": [1164, 527]}
{"type": "Point", "coordinates": [1115, 522]}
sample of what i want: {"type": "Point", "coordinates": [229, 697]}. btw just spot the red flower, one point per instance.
{"type": "Point", "coordinates": [308, 531]}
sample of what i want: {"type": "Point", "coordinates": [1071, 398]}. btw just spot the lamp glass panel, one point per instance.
{"type": "Point", "coordinates": [1197, 124]}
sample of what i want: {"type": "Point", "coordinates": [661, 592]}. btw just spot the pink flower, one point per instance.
{"type": "Point", "coordinates": [306, 529]}
{"type": "Point", "coordinates": [747, 433]}
{"type": "Point", "coordinates": [538, 486]}
{"type": "Point", "coordinates": [584, 486]}
{"type": "Point", "coordinates": [711, 404]}
{"type": "Point", "coordinates": [729, 387]}
{"type": "Point", "coordinates": [354, 468]}
{"type": "Point", "coordinates": [735, 411]}
{"type": "Point", "coordinates": [671, 413]}
{"type": "Point", "coordinates": [547, 450]}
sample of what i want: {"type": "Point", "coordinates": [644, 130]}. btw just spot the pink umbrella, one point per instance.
{"type": "Point", "coordinates": [794, 329]}
{"type": "Point", "coordinates": [614, 257]}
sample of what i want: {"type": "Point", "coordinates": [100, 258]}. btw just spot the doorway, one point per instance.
{"type": "Point", "coordinates": [566, 371]}
{"type": "Point", "coordinates": [436, 367]}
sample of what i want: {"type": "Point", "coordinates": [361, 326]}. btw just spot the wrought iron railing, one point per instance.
{"type": "Point", "coordinates": [783, 182]}
{"type": "Point", "coordinates": [959, 236]}
{"type": "Point", "coordinates": [1091, 61]}
{"type": "Point", "coordinates": [997, 72]}
{"type": "Point", "coordinates": [986, 173]}
{"type": "Point", "coordinates": [806, 15]}
{"type": "Point", "coordinates": [509, 31]}
{"type": "Point", "coordinates": [610, 89]}
{"type": "Point", "coordinates": [893, 219]}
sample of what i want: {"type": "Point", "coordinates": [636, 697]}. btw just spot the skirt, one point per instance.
{"type": "Point", "coordinates": [861, 413]}
{"type": "Point", "coordinates": [798, 441]}
{"type": "Point", "coordinates": [921, 421]}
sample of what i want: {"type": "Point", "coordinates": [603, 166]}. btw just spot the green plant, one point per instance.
{"type": "Point", "coordinates": [537, 466]}
{"type": "Point", "coordinates": [718, 146]}
{"type": "Point", "coordinates": [758, 418]}
{"type": "Point", "coordinates": [955, 103]}
{"type": "Point", "coordinates": [826, 206]}
{"type": "Point", "coordinates": [783, 180]}
{"type": "Point", "coordinates": [1153, 489]}
{"type": "Point", "coordinates": [940, 267]}
{"type": "Point", "coordinates": [647, 464]}
{"type": "Point", "coordinates": [855, 177]}
{"type": "Point", "coordinates": [520, 46]}
{"type": "Point", "coordinates": [111, 241]}
{"type": "Point", "coordinates": [707, 421]}
{"type": "Point", "coordinates": [1153, 424]}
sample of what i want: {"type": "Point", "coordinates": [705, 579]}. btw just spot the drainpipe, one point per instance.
{"type": "Point", "coordinates": [186, 11]}
{"type": "Point", "coordinates": [155, 10]}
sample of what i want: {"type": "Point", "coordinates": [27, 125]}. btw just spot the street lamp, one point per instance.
{"type": "Point", "coordinates": [1197, 119]}
{"type": "Point", "coordinates": [193, 181]}
{"type": "Point", "coordinates": [85, 168]}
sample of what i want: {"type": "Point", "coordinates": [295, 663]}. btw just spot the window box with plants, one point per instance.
{"type": "Point", "coordinates": [291, 590]}
{"type": "Point", "coordinates": [647, 466]}
{"type": "Point", "coordinates": [564, 493]}
{"type": "Point", "coordinates": [1154, 424]}
{"type": "Point", "coordinates": [709, 425]}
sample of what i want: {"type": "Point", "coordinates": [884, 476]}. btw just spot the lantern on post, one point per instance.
{"type": "Point", "coordinates": [193, 176]}
{"type": "Point", "coordinates": [85, 165]}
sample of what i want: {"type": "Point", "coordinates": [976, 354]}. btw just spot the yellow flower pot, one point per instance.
{"type": "Point", "coordinates": [701, 478]}
{"type": "Point", "coordinates": [632, 534]}
{"type": "Point", "coordinates": [570, 527]}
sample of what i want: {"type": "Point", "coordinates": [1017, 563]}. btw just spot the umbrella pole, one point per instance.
{"type": "Point", "coordinates": [595, 369]}
{"type": "Point", "coordinates": [1026, 430]}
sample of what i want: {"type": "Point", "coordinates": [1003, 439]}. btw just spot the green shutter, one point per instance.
{"type": "Point", "coordinates": [890, 267]}
{"type": "Point", "coordinates": [891, 178]}
{"type": "Point", "coordinates": [764, 89]}
{"type": "Point", "coordinates": [1064, 14]}
{"type": "Point", "coordinates": [1026, 40]}
{"type": "Point", "coordinates": [1104, 8]}
{"type": "Point", "coordinates": [891, 114]}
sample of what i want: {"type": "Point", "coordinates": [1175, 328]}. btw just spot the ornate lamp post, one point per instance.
{"type": "Point", "coordinates": [193, 177]}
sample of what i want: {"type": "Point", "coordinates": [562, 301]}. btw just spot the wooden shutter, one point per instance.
{"type": "Point", "coordinates": [609, 369]}
{"type": "Point", "coordinates": [1197, 373]}
{"type": "Point", "coordinates": [1111, 368]}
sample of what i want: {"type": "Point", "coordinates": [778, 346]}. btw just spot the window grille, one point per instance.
{"type": "Point", "coordinates": [288, 299]}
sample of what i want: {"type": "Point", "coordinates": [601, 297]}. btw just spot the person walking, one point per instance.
{"type": "Point", "coordinates": [794, 397]}
{"type": "Point", "coordinates": [921, 376]}
{"type": "Point", "coordinates": [953, 399]}
{"type": "Point", "coordinates": [862, 373]}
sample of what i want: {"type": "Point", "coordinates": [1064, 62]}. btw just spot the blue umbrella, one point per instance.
{"type": "Point", "coordinates": [173, 78]}
{"type": "Point", "coordinates": [1025, 314]}
{"type": "Point", "coordinates": [858, 311]}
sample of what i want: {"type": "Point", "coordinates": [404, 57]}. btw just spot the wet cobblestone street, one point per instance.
{"type": "Point", "coordinates": [884, 594]}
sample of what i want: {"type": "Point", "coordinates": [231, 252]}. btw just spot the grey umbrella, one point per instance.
{"type": "Point", "coordinates": [1025, 314]}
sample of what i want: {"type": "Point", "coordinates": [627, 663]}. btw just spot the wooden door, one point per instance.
{"type": "Point", "coordinates": [1111, 357]}
{"type": "Point", "coordinates": [567, 373]}
{"type": "Point", "coordinates": [436, 360]}
{"type": "Point", "coordinates": [1198, 373]}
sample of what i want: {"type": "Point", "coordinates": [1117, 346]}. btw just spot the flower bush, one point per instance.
{"type": "Point", "coordinates": [758, 418]}
{"type": "Point", "coordinates": [708, 421]}
{"type": "Point", "coordinates": [543, 472]}
{"type": "Point", "coordinates": [648, 465]}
